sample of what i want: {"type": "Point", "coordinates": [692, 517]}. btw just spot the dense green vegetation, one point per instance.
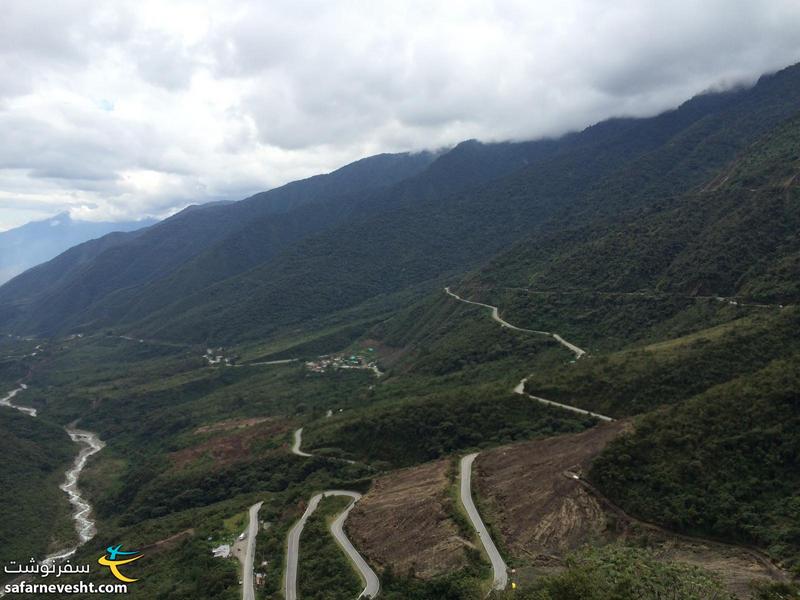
{"type": "Point", "coordinates": [155, 398]}
{"type": "Point", "coordinates": [35, 454]}
{"type": "Point", "coordinates": [636, 226]}
{"type": "Point", "coordinates": [736, 236]}
{"type": "Point", "coordinates": [176, 554]}
{"type": "Point", "coordinates": [642, 378]}
{"type": "Point", "coordinates": [722, 464]}
{"type": "Point", "coordinates": [420, 431]}
{"type": "Point", "coordinates": [464, 585]}
{"type": "Point", "coordinates": [38, 241]}
{"type": "Point", "coordinates": [139, 272]}
{"type": "Point", "coordinates": [621, 573]}
{"type": "Point", "coordinates": [448, 389]}
{"type": "Point", "coordinates": [243, 270]}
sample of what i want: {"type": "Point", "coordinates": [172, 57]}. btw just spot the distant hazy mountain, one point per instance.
{"type": "Point", "coordinates": [39, 241]}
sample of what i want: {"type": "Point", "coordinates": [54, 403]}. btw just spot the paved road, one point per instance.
{"type": "Point", "coordinates": [372, 585]}
{"type": "Point", "coordinates": [520, 389]}
{"type": "Point", "coordinates": [298, 441]}
{"type": "Point", "coordinates": [248, 589]}
{"type": "Point", "coordinates": [499, 567]}
{"type": "Point", "coordinates": [578, 352]}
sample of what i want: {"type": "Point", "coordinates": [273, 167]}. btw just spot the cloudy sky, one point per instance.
{"type": "Point", "coordinates": [117, 110]}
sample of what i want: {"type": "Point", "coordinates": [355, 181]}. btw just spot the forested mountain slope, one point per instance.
{"type": "Point", "coordinates": [715, 452]}
{"type": "Point", "coordinates": [592, 179]}
{"type": "Point", "coordinates": [231, 274]}
{"type": "Point", "coordinates": [123, 278]}
{"type": "Point", "coordinates": [735, 236]}
{"type": "Point", "coordinates": [43, 298]}
{"type": "Point", "coordinates": [723, 463]}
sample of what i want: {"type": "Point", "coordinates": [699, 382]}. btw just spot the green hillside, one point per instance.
{"type": "Point", "coordinates": [733, 236]}
{"type": "Point", "coordinates": [723, 463]}
{"type": "Point", "coordinates": [666, 247]}
{"type": "Point", "coordinates": [53, 297]}
{"type": "Point", "coordinates": [212, 274]}
{"type": "Point", "coordinates": [587, 180]}
{"type": "Point", "coordinates": [35, 454]}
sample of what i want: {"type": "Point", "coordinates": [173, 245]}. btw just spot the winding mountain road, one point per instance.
{"type": "Point", "coordinates": [371, 583]}
{"type": "Point", "coordinates": [578, 352]}
{"type": "Point", "coordinates": [248, 589]}
{"type": "Point", "coordinates": [520, 387]}
{"type": "Point", "coordinates": [499, 567]}
{"type": "Point", "coordinates": [368, 576]}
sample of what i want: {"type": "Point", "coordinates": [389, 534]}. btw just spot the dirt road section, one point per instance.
{"type": "Point", "coordinates": [404, 522]}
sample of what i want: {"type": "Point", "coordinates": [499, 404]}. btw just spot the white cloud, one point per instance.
{"type": "Point", "coordinates": [134, 107]}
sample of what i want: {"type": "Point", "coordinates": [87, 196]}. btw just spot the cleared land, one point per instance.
{"type": "Point", "coordinates": [404, 522]}
{"type": "Point", "coordinates": [541, 512]}
{"type": "Point", "coordinates": [232, 441]}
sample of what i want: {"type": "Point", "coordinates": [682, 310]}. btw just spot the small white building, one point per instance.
{"type": "Point", "coordinates": [223, 551]}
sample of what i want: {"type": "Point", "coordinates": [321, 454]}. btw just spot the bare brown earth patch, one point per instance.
{"type": "Point", "coordinates": [245, 442]}
{"type": "Point", "coordinates": [541, 512]}
{"type": "Point", "coordinates": [403, 521]}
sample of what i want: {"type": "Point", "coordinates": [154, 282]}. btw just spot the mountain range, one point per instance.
{"type": "Point", "coordinates": [315, 247]}
{"type": "Point", "coordinates": [597, 330]}
{"type": "Point", "coordinates": [39, 241]}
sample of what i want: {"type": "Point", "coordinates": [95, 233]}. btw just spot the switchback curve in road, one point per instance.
{"type": "Point", "coordinates": [499, 567]}
{"type": "Point", "coordinates": [372, 584]}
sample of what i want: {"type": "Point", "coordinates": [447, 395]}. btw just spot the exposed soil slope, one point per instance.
{"type": "Point", "coordinates": [403, 521]}
{"type": "Point", "coordinates": [541, 512]}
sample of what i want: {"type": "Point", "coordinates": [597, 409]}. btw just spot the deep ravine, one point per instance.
{"type": "Point", "coordinates": [91, 444]}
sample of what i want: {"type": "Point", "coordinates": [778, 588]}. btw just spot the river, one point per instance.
{"type": "Point", "coordinates": [81, 509]}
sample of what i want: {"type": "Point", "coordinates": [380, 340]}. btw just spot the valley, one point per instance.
{"type": "Point", "coordinates": [498, 370]}
{"type": "Point", "coordinates": [89, 444]}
